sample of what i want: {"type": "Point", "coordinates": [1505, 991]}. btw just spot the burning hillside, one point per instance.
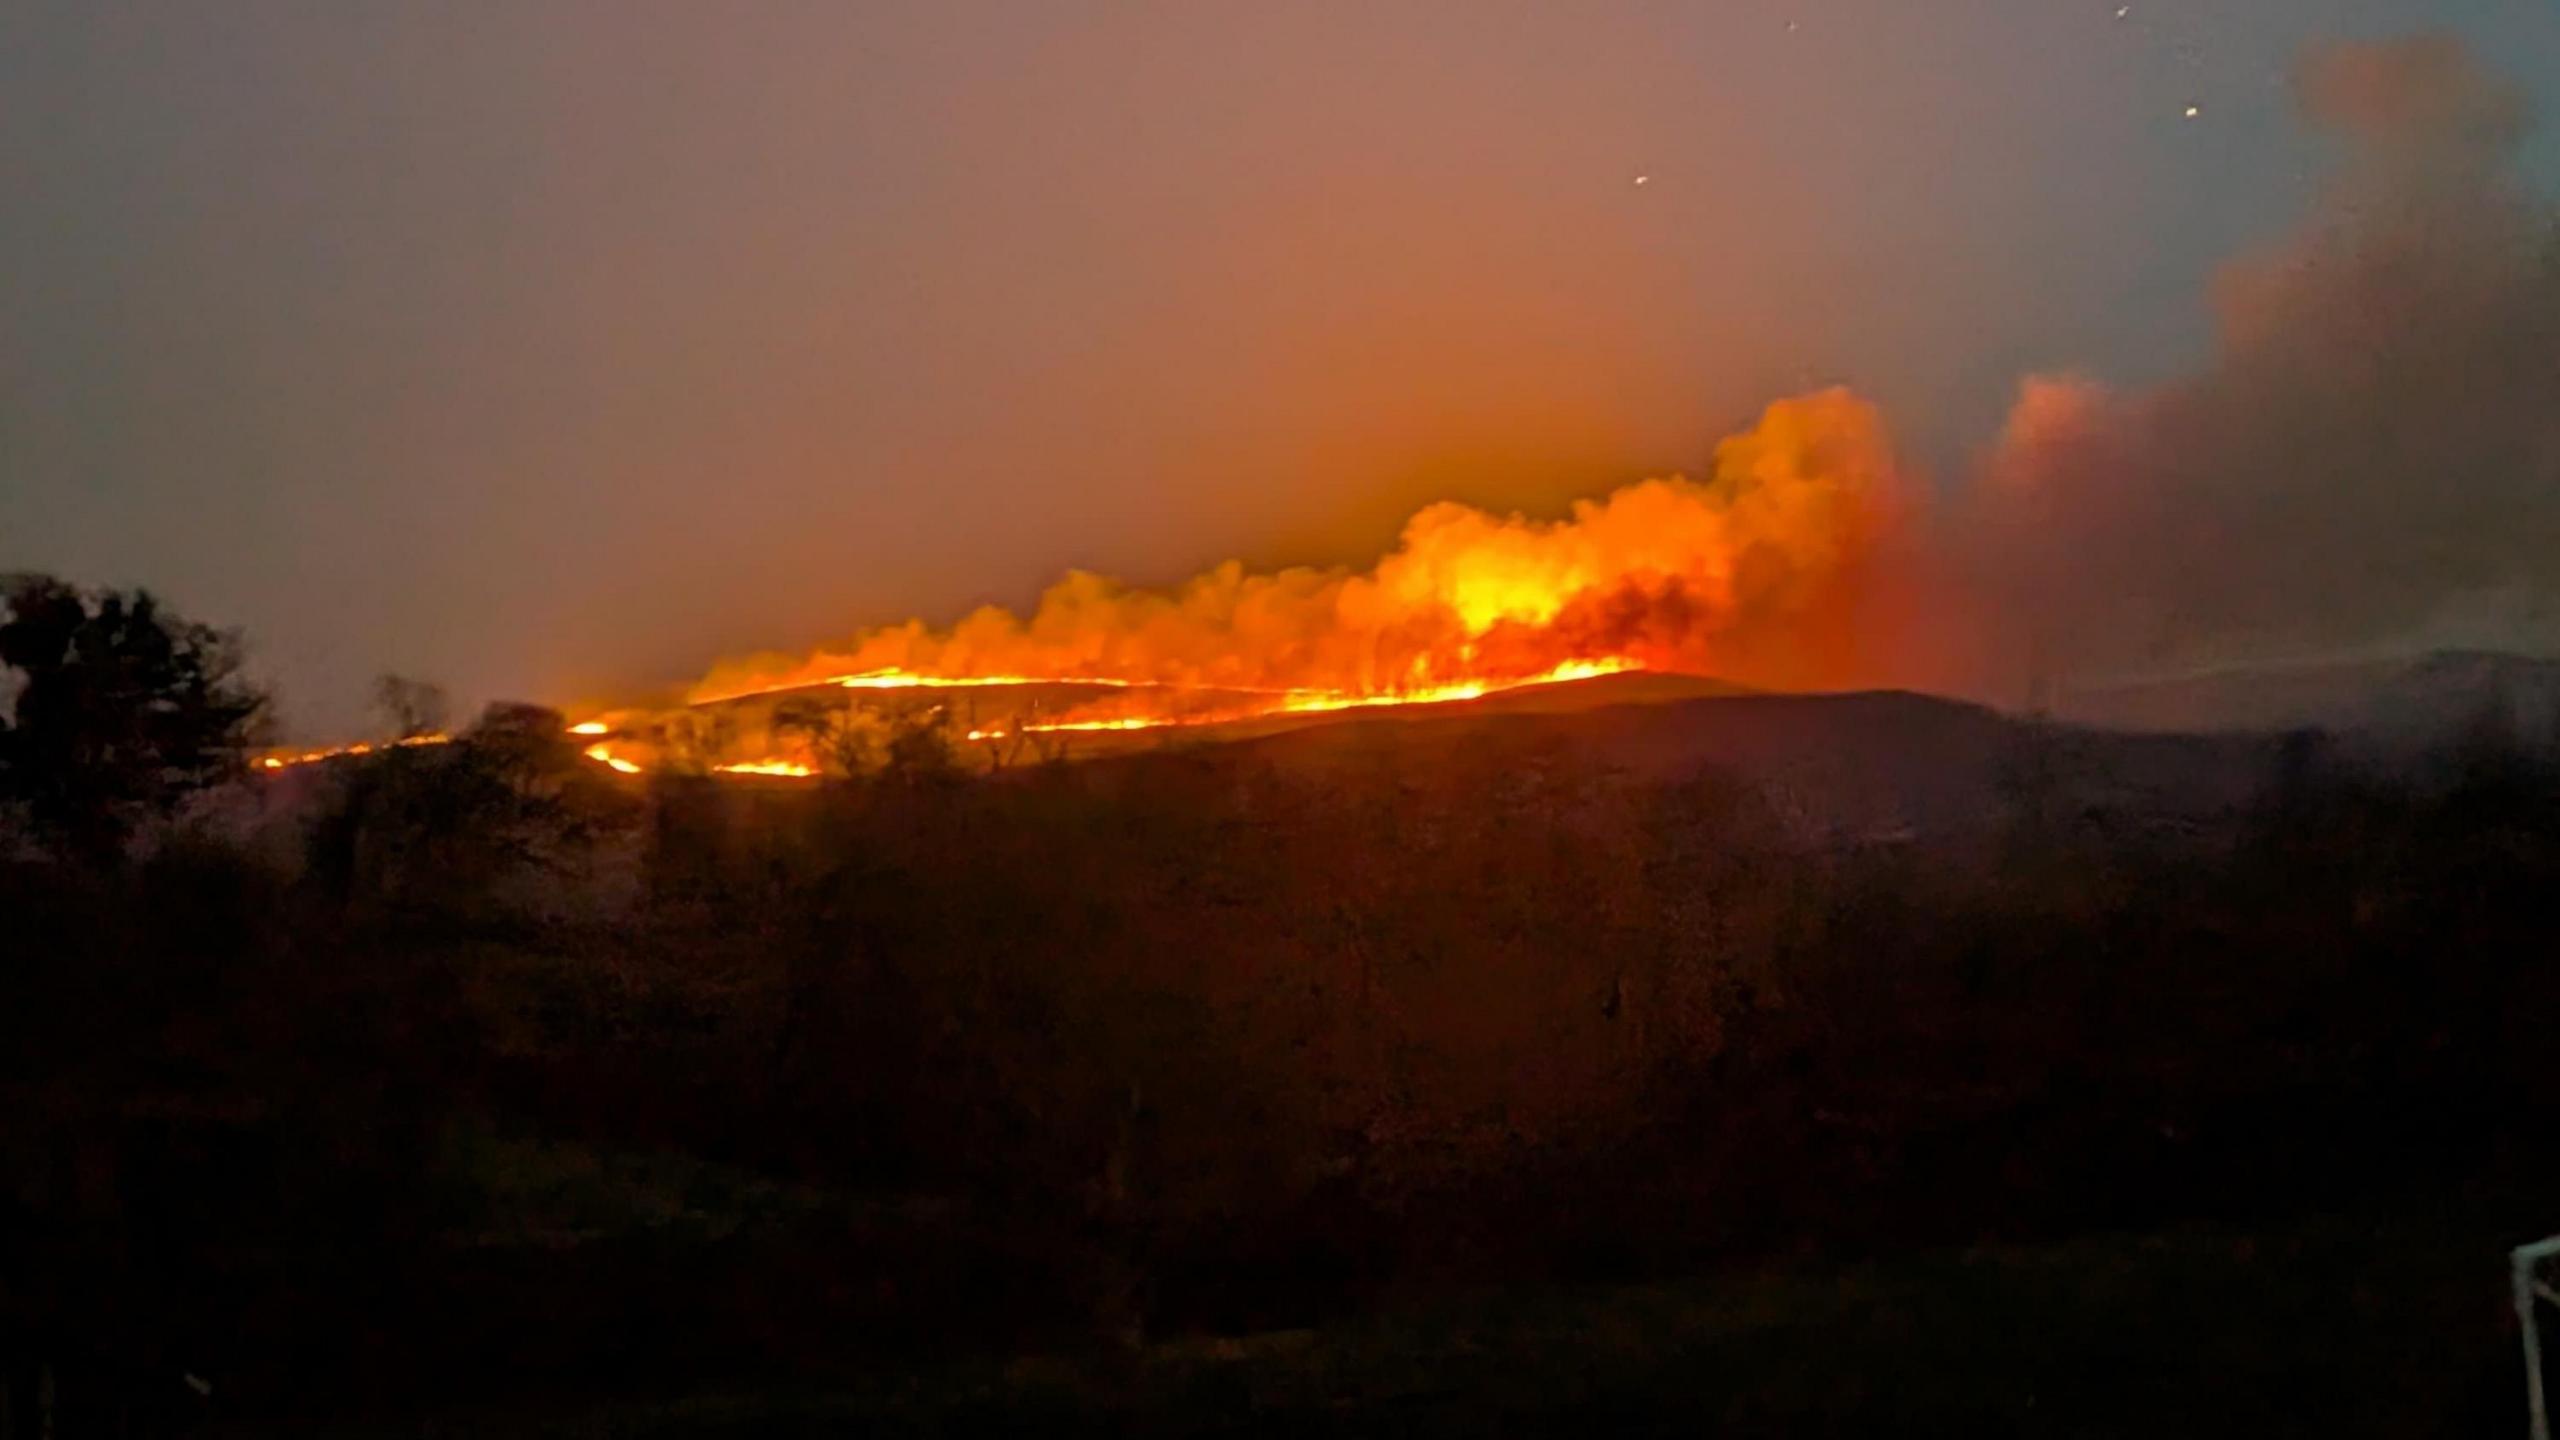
{"type": "Point", "coordinates": [1750, 573]}
{"type": "Point", "coordinates": [2368, 461]}
{"type": "Point", "coordinates": [1663, 574]}
{"type": "Point", "coordinates": [1746, 572]}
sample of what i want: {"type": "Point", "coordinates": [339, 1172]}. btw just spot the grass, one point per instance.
{"type": "Point", "coordinates": [2333, 1325]}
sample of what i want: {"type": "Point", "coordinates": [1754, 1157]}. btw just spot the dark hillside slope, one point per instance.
{"type": "Point", "coordinates": [1874, 765]}
{"type": "Point", "coordinates": [2402, 702]}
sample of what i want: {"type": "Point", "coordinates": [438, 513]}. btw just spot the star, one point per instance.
{"type": "Point", "coordinates": [2192, 112]}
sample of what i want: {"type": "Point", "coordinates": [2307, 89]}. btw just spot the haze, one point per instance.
{"type": "Point", "coordinates": [556, 350]}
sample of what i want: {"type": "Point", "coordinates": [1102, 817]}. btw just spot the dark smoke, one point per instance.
{"type": "Point", "coordinates": [2371, 460]}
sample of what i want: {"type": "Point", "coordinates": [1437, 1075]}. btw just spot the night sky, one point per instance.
{"type": "Point", "coordinates": [555, 349]}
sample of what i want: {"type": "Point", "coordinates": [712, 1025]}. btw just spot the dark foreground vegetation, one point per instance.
{"type": "Point", "coordinates": [1470, 1085]}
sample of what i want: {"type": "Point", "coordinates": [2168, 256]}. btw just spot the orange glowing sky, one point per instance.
{"type": "Point", "coordinates": [556, 350]}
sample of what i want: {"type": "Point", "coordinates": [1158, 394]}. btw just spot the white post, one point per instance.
{"type": "Point", "coordinates": [2528, 1287]}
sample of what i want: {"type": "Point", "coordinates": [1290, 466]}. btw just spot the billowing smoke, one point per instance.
{"type": "Point", "coordinates": [2369, 459]}
{"type": "Point", "coordinates": [1749, 573]}
{"type": "Point", "coordinates": [2372, 457]}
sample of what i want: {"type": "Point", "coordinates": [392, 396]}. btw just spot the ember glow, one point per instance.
{"type": "Point", "coordinates": [605, 755]}
{"type": "Point", "coordinates": [287, 758]}
{"type": "Point", "coordinates": [1312, 702]}
{"type": "Point", "coordinates": [785, 769]}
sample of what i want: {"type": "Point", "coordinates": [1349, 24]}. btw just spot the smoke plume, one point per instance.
{"type": "Point", "coordinates": [2369, 458]}
{"type": "Point", "coordinates": [2372, 456]}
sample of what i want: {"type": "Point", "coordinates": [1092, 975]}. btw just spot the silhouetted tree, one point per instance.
{"type": "Point", "coordinates": [441, 824]}
{"type": "Point", "coordinates": [412, 707]}
{"type": "Point", "coordinates": [122, 710]}
{"type": "Point", "coordinates": [919, 750]}
{"type": "Point", "coordinates": [691, 742]}
{"type": "Point", "coordinates": [527, 746]}
{"type": "Point", "coordinates": [840, 739]}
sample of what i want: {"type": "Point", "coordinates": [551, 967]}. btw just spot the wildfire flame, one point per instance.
{"type": "Point", "coordinates": [1732, 575]}
{"type": "Point", "coordinates": [284, 759]}
{"type": "Point", "coordinates": [605, 754]}
{"type": "Point", "coordinates": [1308, 702]}
{"type": "Point", "coordinates": [1668, 574]}
{"type": "Point", "coordinates": [788, 769]}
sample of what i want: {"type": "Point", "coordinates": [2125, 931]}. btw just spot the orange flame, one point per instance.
{"type": "Point", "coordinates": [285, 759]}
{"type": "Point", "coordinates": [1702, 576]}
{"type": "Point", "coordinates": [605, 754]}
{"type": "Point", "coordinates": [790, 769]}
{"type": "Point", "coordinates": [1309, 702]}
{"type": "Point", "coordinates": [1737, 575]}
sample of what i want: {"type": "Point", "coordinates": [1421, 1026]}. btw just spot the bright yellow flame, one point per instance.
{"type": "Point", "coordinates": [1312, 702]}
{"type": "Point", "coordinates": [605, 754]}
{"type": "Point", "coordinates": [1706, 576]}
{"type": "Point", "coordinates": [1746, 572]}
{"type": "Point", "coordinates": [282, 759]}
{"type": "Point", "coordinates": [1465, 690]}
{"type": "Point", "coordinates": [1130, 722]}
{"type": "Point", "coordinates": [896, 679]}
{"type": "Point", "coordinates": [786, 768]}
